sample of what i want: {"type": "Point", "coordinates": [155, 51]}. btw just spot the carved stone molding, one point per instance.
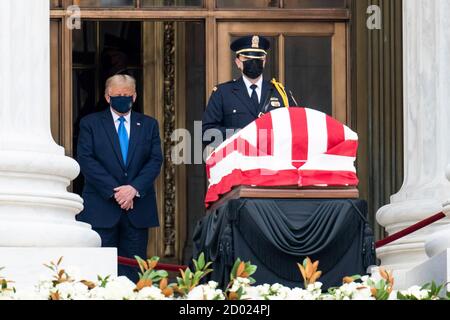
{"type": "Point", "coordinates": [169, 127]}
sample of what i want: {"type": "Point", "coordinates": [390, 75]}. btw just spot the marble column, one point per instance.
{"type": "Point", "coordinates": [426, 41]}
{"type": "Point", "coordinates": [35, 208]}
{"type": "Point", "coordinates": [440, 241]}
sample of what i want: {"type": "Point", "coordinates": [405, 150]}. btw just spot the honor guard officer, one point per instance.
{"type": "Point", "coordinates": [235, 104]}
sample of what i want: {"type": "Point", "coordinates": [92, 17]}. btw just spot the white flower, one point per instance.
{"type": "Point", "coordinates": [120, 288]}
{"type": "Point", "coordinates": [314, 287]}
{"type": "Point", "coordinates": [255, 293]}
{"type": "Point", "coordinates": [198, 293]}
{"type": "Point", "coordinates": [150, 293]}
{"type": "Point", "coordinates": [206, 292]}
{"type": "Point", "coordinates": [416, 292]}
{"type": "Point", "coordinates": [7, 295]}
{"type": "Point", "coordinates": [30, 294]}
{"type": "Point", "coordinates": [362, 293]}
{"type": "Point", "coordinates": [213, 284]}
{"type": "Point", "coordinates": [71, 291]}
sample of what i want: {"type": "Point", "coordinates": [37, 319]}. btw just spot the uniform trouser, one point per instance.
{"type": "Point", "coordinates": [129, 241]}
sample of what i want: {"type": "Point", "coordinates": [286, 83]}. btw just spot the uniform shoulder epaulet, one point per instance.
{"type": "Point", "coordinates": [217, 87]}
{"type": "Point", "coordinates": [229, 82]}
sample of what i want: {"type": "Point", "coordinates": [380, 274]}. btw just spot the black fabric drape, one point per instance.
{"type": "Point", "coordinates": [277, 234]}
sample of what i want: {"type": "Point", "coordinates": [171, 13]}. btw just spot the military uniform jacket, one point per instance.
{"type": "Point", "coordinates": [230, 106]}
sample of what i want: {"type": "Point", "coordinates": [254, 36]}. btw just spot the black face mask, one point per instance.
{"type": "Point", "coordinates": [122, 104]}
{"type": "Point", "coordinates": [253, 68]}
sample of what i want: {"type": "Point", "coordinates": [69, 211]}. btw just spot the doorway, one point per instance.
{"type": "Point", "coordinates": [167, 59]}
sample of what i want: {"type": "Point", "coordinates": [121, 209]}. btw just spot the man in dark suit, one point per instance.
{"type": "Point", "coordinates": [120, 156]}
{"type": "Point", "coordinates": [235, 104]}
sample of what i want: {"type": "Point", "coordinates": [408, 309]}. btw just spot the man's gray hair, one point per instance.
{"type": "Point", "coordinates": [120, 80]}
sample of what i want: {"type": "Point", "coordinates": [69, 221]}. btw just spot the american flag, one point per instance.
{"type": "Point", "coordinates": [286, 147]}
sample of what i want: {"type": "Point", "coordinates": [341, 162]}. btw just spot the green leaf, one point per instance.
{"type": "Point", "coordinates": [382, 295]}
{"type": "Point", "coordinates": [251, 269]}
{"type": "Point", "coordinates": [400, 296]}
{"type": "Point", "coordinates": [332, 290]}
{"type": "Point", "coordinates": [162, 273]}
{"type": "Point", "coordinates": [240, 292]}
{"type": "Point", "coordinates": [356, 277]}
{"type": "Point", "coordinates": [426, 286]}
{"type": "Point", "coordinates": [188, 273]}
{"type": "Point", "coordinates": [305, 262]}
{"type": "Point", "coordinates": [208, 265]}
{"type": "Point", "coordinates": [201, 261]}
{"type": "Point", "coordinates": [140, 262]}
{"type": "Point", "coordinates": [234, 269]}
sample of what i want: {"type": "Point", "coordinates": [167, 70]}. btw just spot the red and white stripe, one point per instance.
{"type": "Point", "coordinates": [289, 146]}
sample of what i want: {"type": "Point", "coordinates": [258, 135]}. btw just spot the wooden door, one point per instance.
{"type": "Point", "coordinates": [310, 58]}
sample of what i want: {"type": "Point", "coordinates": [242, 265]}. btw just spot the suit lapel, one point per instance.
{"type": "Point", "coordinates": [108, 124]}
{"type": "Point", "coordinates": [241, 92]}
{"type": "Point", "coordinates": [135, 134]}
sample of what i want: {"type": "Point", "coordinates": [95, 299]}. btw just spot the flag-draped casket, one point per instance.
{"type": "Point", "coordinates": [287, 147]}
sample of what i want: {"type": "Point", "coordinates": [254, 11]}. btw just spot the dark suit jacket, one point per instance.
{"type": "Point", "coordinates": [102, 165]}
{"type": "Point", "coordinates": [230, 106]}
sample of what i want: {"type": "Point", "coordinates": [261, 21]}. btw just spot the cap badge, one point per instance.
{"type": "Point", "coordinates": [255, 42]}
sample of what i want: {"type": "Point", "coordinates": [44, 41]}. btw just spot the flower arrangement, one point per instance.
{"type": "Point", "coordinates": [65, 284]}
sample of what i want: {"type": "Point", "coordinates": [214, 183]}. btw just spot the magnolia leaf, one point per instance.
{"type": "Point", "coordinates": [400, 296]}
{"type": "Point", "coordinates": [49, 267]}
{"type": "Point", "coordinates": [251, 269]}
{"type": "Point", "coordinates": [308, 268]}
{"type": "Point", "coordinates": [162, 273]}
{"type": "Point", "coordinates": [4, 284]}
{"type": "Point", "coordinates": [240, 292]}
{"type": "Point", "coordinates": [240, 269]}
{"type": "Point", "coordinates": [163, 283]}
{"type": "Point", "coordinates": [207, 266]}
{"type": "Point", "coordinates": [315, 266]}
{"type": "Point", "coordinates": [153, 263]}
{"type": "Point", "coordinates": [302, 270]}
{"type": "Point", "coordinates": [142, 264]}
{"type": "Point", "coordinates": [382, 295]}
{"type": "Point", "coordinates": [234, 269]}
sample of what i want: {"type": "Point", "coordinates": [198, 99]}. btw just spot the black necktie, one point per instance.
{"type": "Point", "coordinates": [255, 96]}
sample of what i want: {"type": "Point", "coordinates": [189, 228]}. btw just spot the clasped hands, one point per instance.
{"type": "Point", "coordinates": [124, 196]}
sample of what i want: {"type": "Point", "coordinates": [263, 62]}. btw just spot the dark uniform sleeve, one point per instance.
{"type": "Point", "coordinates": [213, 116]}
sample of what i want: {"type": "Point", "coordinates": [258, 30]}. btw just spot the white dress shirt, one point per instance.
{"type": "Point", "coordinates": [248, 84]}
{"type": "Point", "coordinates": [117, 122]}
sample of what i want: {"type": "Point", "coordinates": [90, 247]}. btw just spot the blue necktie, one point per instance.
{"type": "Point", "coordinates": [123, 139]}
